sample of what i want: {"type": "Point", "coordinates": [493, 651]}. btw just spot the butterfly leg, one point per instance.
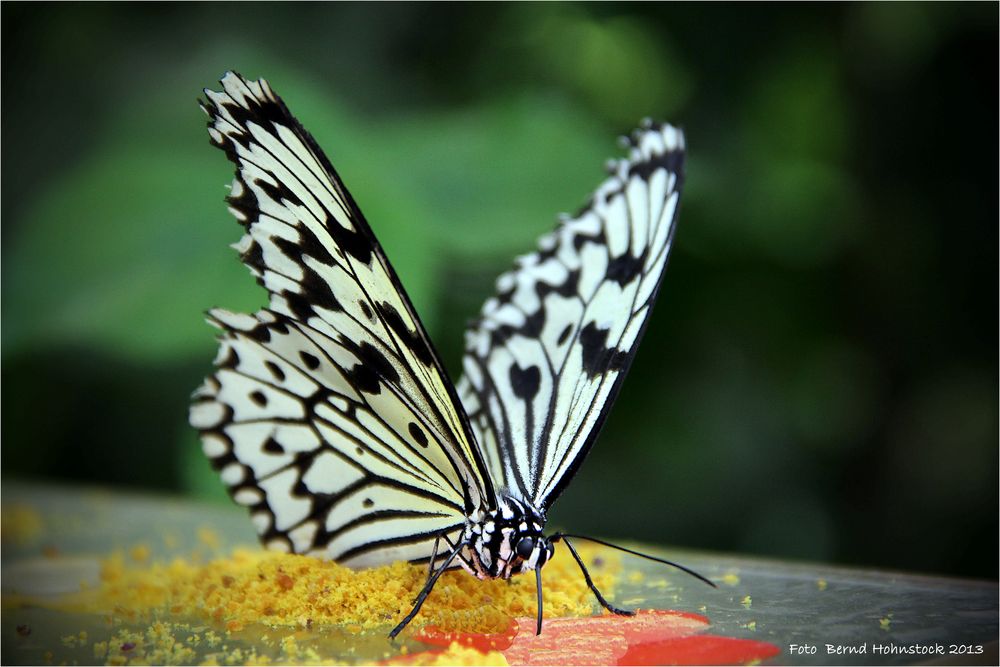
{"type": "Point", "coordinates": [434, 552]}
{"type": "Point", "coordinates": [590, 583]}
{"type": "Point", "coordinates": [430, 563]}
{"type": "Point", "coordinates": [426, 590]}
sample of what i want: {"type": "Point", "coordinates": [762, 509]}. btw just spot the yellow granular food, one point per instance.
{"type": "Point", "coordinates": [209, 538]}
{"type": "Point", "coordinates": [140, 553]}
{"type": "Point", "coordinates": [456, 654]}
{"type": "Point", "coordinates": [20, 524]}
{"type": "Point", "coordinates": [731, 579]}
{"type": "Point", "coordinates": [159, 644]}
{"type": "Point", "coordinates": [286, 590]}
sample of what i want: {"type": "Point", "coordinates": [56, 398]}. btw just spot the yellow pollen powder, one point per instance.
{"type": "Point", "coordinates": [287, 590]}
{"type": "Point", "coordinates": [21, 524]}
{"type": "Point", "coordinates": [261, 607]}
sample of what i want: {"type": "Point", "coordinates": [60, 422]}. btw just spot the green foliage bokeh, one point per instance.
{"type": "Point", "coordinates": [819, 379]}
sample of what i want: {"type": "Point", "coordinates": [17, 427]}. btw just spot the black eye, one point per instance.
{"type": "Point", "coordinates": [525, 546]}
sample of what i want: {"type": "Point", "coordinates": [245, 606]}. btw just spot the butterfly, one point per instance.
{"type": "Point", "coordinates": [330, 416]}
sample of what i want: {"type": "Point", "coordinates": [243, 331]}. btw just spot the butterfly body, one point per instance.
{"type": "Point", "coordinates": [330, 416]}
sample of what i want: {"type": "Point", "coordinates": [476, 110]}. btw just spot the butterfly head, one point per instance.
{"type": "Point", "coordinates": [509, 540]}
{"type": "Point", "coordinates": [533, 551]}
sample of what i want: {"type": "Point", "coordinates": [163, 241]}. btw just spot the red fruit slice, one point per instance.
{"type": "Point", "coordinates": [699, 650]}
{"type": "Point", "coordinates": [653, 637]}
{"type": "Point", "coordinates": [434, 635]}
{"type": "Point", "coordinates": [568, 641]}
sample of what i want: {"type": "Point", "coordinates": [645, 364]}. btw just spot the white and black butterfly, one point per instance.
{"type": "Point", "coordinates": [330, 415]}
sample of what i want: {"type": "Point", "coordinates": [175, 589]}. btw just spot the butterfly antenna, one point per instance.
{"type": "Point", "coordinates": [590, 582]}
{"type": "Point", "coordinates": [426, 591]}
{"type": "Point", "coordinates": [538, 585]}
{"type": "Point", "coordinates": [680, 567]}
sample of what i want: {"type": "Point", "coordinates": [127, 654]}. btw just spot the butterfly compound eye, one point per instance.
{"type": "Point", "coordinates": [525, 546]}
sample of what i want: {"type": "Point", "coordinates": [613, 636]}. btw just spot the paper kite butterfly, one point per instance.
{"type": "Point", "coordinates": [330, 416]}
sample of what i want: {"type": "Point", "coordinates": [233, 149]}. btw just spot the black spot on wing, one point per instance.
{"type": "Point", "coordinates": [273, 446]}
{"type": "Point", "coordinates": [316, 291]}
{"type": "Point", "coordinates": [319, 291]}
{"type": "Point", "coordinates": [626, 268]}
{"type": "Point", "coordinates": [254, 257]}
{"type": "Point", "coordinates": [299, 306]}
{"type": "Point", "coordinates": [597, 357]}
{"type": "Point", "coordinates": [568, 288]}
{"type": "Point", "coordinates": [311, 246]}
{"type": "Point", "coordinates": [501, 335]}
{"type": "Point", "coordinates": [672, 161]}
{"type": "Point", "coordinates": [411, 338]}
{"type": "Point", "coordinates": [564, 334]}
{"type": "Point", "coordinates": [258, 398]}
{"type": "Point", "coordinates": [260, 333]}
{"type": "Point", "coordinates": [373, 358]}
{"type": "Point", "coordinates": [245, 203]}
{"type": "Point", "coordinates": [534, 323]}
{"type": "Point", "coordinates": [505, 296]}
{"type": "Point", "coordinates": [418, 435]}
{"type": "Point", "coordinates": [524, 382]}
{"type": "Point", "coordinates": [231, 360]}
{"type": "Point", "coordinates": [258, 110]}
{"type": "Point", "coordinates": [351, 241]}
{"type": "Point", "coordinates": [373, 369]}
{"type": "Point", "coordinates": [364, 379]}
{"type": "Point", "coordinates": [278, 191]}
{"type": "Point", "coordinates": [310, 361]}
{"type": "Point", "coordinates": [545, 255]}
{"type": "Point", "coordinates": [580, 239]}
{"type": "Point", "coordinates": [275, 371]}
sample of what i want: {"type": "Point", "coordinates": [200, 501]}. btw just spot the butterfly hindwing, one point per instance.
{"type": "Point", "coordinates": [329, 414]}
{"type": "Point", "coordinates": [307, 451]}
{"type": "Point", "coordinates": [547, 355]}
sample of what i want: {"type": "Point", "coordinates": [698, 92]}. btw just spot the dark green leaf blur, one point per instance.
{"type": "Point", "coordinates": [819, 378]}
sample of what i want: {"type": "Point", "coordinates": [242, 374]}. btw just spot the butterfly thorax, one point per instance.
{"type": "Point", "coordinates": [506, 541]}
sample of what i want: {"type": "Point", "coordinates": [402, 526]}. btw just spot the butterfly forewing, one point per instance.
{"type": "Point", "coordinates": [545, 359]}
{"type": "Point", "coordinates": [329, 414]}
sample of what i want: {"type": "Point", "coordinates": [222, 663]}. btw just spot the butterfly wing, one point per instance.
{"type": "Point", "coordinates": [546, 358]}
{"type": "Point", "coordinates": [329, 415]}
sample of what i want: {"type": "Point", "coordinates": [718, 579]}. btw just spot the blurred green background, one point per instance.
{"type": "Point", "coordinates": [819, 380]}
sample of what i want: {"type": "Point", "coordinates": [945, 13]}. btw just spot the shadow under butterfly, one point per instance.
{"type": "Point", "coordinates": [329, 415]}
